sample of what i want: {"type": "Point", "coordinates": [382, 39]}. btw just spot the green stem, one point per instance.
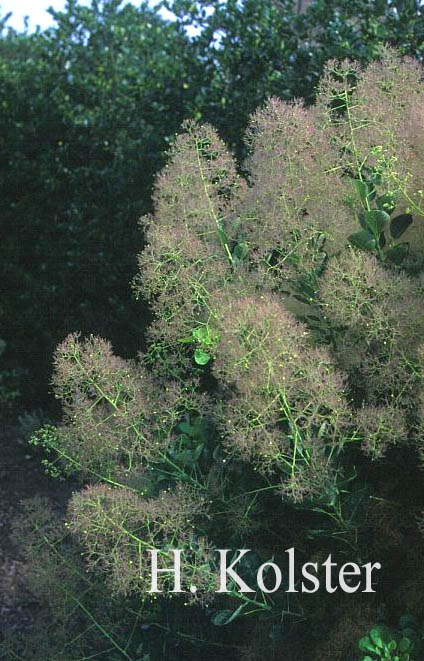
{"type": "Point", "coordinates": [212, 210]}
{"type": "Point", "coordinates": [359, 165]}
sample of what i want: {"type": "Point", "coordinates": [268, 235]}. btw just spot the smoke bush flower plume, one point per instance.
{"type": "Point", "coordinates": [286, 347]}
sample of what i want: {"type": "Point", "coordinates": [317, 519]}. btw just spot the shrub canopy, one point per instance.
{"type": "Point", "coordinates": [285, 357]}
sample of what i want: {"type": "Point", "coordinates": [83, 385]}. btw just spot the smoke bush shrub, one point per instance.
{"type": "Point", "coordinates": [287, 336]}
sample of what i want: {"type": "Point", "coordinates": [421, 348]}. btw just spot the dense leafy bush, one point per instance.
{"type": "Point", "coordinates": [285, 357]}
{"type": "Point", "coordinates": [252, 49]}
{"type": "Point", "coordinates": [87, 109]}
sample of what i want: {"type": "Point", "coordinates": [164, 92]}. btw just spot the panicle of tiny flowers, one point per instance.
{"type": "Point", "coordinates": [178, 277]}
{"type": "Point", "coordinates": [254, 431]}
{"type": "Point", "coordinates": [279, 383]}
{"type": "Point", "coordinates": [412, 131]}
{"type": "Point", "coordinates": [244, 518]}
{"type": "Point", "coordinates": [381, 103]}
{"type": "Point", "coordinates": [311, 480]}
{"type": "Point", "coordinates": [367, 112]}
{"type": "Point", "coordinates": [372, 119]}
{"type": "Point", "coordinates": [338, 80]}
{"type": "Point", "coordinates": [198, 182]}
{"type": "Point", "coordinates": [274, 220]}
{"type": "Point", "coordinates": [380, 427]}
{"type": "Point", "coordinates": [117, 416]}
{"type": "Point", "coordinates": [375, 314]}
{"type": "Point", "coordinates": [354, 283]}
{"type": "Point", "coordinates": [257, 337]}
{"type": "Point", "coordinates": [77, 363]}
{"type": "Point", "coordinates": [51, 562]}
{"type": "Point", "coordinates": [188, 236]}
{"type": "Point", "coordinates": [118, 527]}
{"type": "Point", "coordinates": [413, 126]}
{"type": "Point", "coordinates": [328, 189]}
{"type": "Point", "coordinates": [283, 213]}
{"type": "Point", "coordinates": [36, 520]}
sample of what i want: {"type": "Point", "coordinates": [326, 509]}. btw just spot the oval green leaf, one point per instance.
{"type": "Point", "coordinates": [201, 358]}
{"type": "Point", "coordinates": [400, 224]}
{"type": "Point", "coordinates": [397, 254]}
{"type": "Point", "coordinates": [362, 188]}
{"type": "Point", "coordinates": [363, 239]}
{"type": "Point", "coordinates": [376, 220]}
{"type": "Point", "coordinates": [241, 251]}
{"type": "Point", "coordinates": [380, 636]}
{"type": "Point", "coordinates": [404, 645]}
{"type": "Point", "coordinates": [365, 645]}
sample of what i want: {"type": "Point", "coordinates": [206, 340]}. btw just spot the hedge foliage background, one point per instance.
{"type": "Point", "coordinates": [87, 109]}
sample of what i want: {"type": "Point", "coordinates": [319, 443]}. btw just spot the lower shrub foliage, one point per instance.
{"type": "Point", "coordinates": [280, 403]}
